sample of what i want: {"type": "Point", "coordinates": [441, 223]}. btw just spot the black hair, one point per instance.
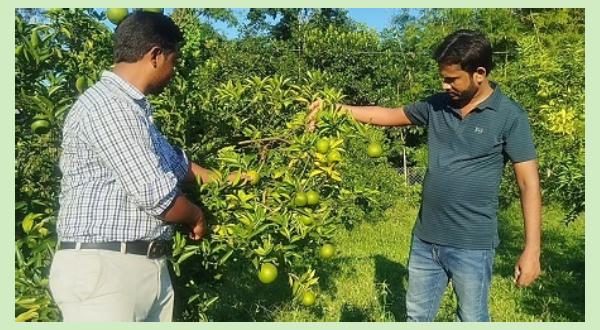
{"type": "Point", "coordinates": [140, 31]}
{"type": "Point", "coordinates": [468, 48]}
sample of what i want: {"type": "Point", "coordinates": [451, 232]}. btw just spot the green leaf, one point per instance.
{"type": "Point", "coordinates": [29, 220]}
{"type": "Point", "coordinates": [27, 316]}
{"type": "Point", "coordinates": [225, 257]}
{"type": "Point", "coordinates": [315, 173]}
{"type": "Point", "coordinates": [261, 229]}
{"type": "Point", "coordinates": [186, 255]}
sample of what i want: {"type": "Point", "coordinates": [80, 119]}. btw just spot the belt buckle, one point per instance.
{"type": "Point", "coordinates": [156, 249]}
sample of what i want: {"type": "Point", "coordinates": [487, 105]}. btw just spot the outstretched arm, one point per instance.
{"type": "Point", "coordinates": [368, 114]}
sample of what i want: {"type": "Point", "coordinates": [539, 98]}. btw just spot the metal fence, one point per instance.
{"type": "Point", "coordinates": [413, 175]}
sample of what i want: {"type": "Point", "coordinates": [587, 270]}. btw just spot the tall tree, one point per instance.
{"type": "Point", "coordinates": [280, 23]}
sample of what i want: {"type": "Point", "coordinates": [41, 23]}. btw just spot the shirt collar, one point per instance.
{"type": "Point", "coordinates": [129, 90]}
{"type": "Point", "coordinates": [493, 101]}
{"type": "Point", "coordinates": [124, 85]}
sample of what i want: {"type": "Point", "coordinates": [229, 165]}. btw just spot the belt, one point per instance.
{"type": "Point", "coordinates": [150, 249]}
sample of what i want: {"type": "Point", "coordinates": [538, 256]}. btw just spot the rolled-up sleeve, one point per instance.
{"type": "Point", "coordinates": [180, 163]}
{"type": "Point", "coordinates": [122, 139]}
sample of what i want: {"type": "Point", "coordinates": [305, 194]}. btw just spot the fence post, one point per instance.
{"type": "Point", "coordinates": [404, 158]}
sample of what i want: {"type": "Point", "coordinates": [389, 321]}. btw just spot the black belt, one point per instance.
{"type": "Point", "coordinates": [150, 249]}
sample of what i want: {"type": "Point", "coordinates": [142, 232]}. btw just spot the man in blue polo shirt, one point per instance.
{"type": "Point", "coordinates": [473, 130]}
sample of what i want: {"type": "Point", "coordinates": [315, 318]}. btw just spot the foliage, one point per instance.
{"type": "Point", "coordinates": [49, 59]}
{"type": "Point", "coordinates": [239, 105]}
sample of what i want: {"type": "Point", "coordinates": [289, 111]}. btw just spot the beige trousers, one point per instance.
{"type": "Point", "coordinates": [99, 285]}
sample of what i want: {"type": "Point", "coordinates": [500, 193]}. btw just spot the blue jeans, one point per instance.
{"type": "Point", "coordinates": [430, 269]}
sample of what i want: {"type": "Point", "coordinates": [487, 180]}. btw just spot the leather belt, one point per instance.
{"type": "Point", "coordinates": [151, 249]}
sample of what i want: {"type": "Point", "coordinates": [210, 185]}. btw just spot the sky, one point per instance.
{"type": "Point", "coordinates": [377, 18]}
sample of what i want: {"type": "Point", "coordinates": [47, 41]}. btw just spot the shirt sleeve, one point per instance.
{"type": "Point", "coordinates": [180, 163]}
{"type": "Point", "coordinates": [519, 144]}
{"type": "Point", "coordinates": [121, 137]}
{"type": "Point", "coordinates": [418, 112]}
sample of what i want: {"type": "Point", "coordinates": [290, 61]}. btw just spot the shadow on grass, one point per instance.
{"type": "Point", "coordinates": [390, 277]}
{"type": "Point", "coordinates": [393, 276]}
{"type": "Point", "coordinates": [243, 298]}
{"type": "Point", "coordinates": [560, 290]}
{"type": "Point", "coordinates": [355, 314]}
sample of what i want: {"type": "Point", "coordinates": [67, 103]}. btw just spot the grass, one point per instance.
{"type": "Point", "coordinates": [366, 281]}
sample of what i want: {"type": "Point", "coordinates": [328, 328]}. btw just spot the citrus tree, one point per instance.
{"type": "Point", "coordinates": [282, 221]}
{"type": "Point", "coordinates": [55, 60]}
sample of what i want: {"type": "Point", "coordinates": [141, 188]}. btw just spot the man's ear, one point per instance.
{"type": "Point", "coordinates": [154, 52]}
{"type": "Point", "coordinates": [480, 74]}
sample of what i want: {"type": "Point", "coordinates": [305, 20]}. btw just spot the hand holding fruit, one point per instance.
{"type": "Point", "coordinates": [198, 227]}
{"type": "Point", "coordinates": [253, 177]}
{"type": "Point", "coordinates": [314, 110]}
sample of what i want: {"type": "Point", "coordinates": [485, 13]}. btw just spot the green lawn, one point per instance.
{"type": "Point", "coordinates": [366, 281]}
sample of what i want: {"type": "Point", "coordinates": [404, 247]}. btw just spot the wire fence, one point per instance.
{"type": "Point", "coordinates": [413, 175]}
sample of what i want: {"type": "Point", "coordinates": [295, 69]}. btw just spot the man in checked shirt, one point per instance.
{"type": "Point", "coordinates": [120, 187]}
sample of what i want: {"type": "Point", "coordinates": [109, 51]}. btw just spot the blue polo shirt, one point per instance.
{"type": "Point", "coordinates": [466, 160]}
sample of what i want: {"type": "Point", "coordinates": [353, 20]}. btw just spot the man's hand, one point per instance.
{"type": "Point", "coordinates": [314, 110]}
{"type": "Point", "coordinates": [233, 176]}
{"type": "Point", "coordinates": [198, 228]}
{"type": "Point", "coordinates": [528, 268]}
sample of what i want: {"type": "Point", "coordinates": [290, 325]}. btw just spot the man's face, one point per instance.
{"type": "Point", "coordinates": [458, 83]}
{"type": "Point", "coordinates": [163, 73]}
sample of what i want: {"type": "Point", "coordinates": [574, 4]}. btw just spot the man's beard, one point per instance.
{"type": "Point", "coordinates": [466, 96]}
{"type": "Point", "coordinates": [157, 88]}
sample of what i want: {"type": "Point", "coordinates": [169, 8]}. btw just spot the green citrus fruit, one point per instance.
{"type": "Point", "coordinates": [301, 199]}
{"type": "Point", "coordinates": [41, 126]}
{"type": "Point", "coordinates": [327, 251]}
{"type": "Point", "coordinates": [334, 156]}
{"type": "Point", "coordinates": [312, 197]}
{"type": "Point", "coordinates": [374, 150]}
{"type": "Point", "coordinates": [322, 146]}
{"type": "Point", "coordinates": [116, 15]}
{"type": "Point", "coordinates": [268, 273]}
{"type": "Point", "coordinates": [306, 220]}
{"type": "Point", "coordinates": [308, 298]}
{"type": "Point", "coordinates": [254, 177]}
{"type": "Point", "coordinates": [81, 84]}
